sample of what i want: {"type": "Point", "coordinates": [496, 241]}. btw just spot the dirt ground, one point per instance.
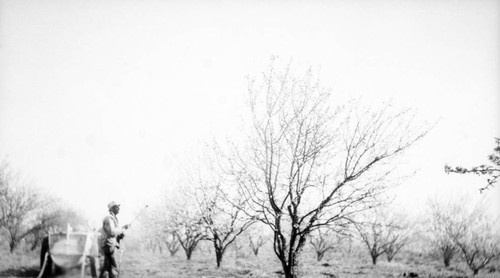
{"type": "Point", "coordinates": [237, 264]}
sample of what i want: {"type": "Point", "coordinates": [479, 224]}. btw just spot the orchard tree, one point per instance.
{"type": "Point", "coordinates": [156, 228]}
{"type": "Point", "coordinates": [18, 204]}
{"type": "Point", "coordinates": [221, 209]}
{"type": "Point", "coordinates": [441, 226]}
{"type": "Point", "coordinates": [256, 242]}
{"type": "Point", "coordinates": [176, 221]}
{"type": "Point", "coordinates": [149, 228]}
{"type": "Point", "coordinates": [189, 231]}
{"type": "Point", "coordinates": [308, 163]}
{"type": "Point", "coordinates": [348, 244]}
{"type": "Point", "coordinates": [151, 244]}
{"type": "Point", "coordinates": [26, 215]}
{"type": "Point", "coordinates": [187, 225]}
{"type": "Point", "coordinates": [256, 238]}
{"type": "Point", "coordinates": [397, 236]}
{"type": "Point", "coordinates": [323, 240]}
{"type": "Point", "coordinates": [224, 224]}
{"type": "Point", "coordinates": [492, 171]}
{"type": "Point", "coordinates": [15, 208]}
{"type": "Point", "coordinates": [477, 237]}
{"type": "Point", "coordinates": [171, 242]}
{"type": "Point", "coordinates": [372, 236]}
{"type": "Point", "coordinates": [179, 214]}
{"type": "Point", "coordinates": [383, 231]}
{"type": "Point", "coordinates": [479, 246]}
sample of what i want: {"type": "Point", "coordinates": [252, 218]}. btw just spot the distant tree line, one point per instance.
{"type": "Point", "coordinates": [26, 215]}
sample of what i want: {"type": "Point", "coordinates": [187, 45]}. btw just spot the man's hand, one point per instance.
{"type": "Point", "coordinates": [119, 238]}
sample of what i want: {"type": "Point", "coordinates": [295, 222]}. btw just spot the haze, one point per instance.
{"type": "Point", "coordinates": [98, 98]}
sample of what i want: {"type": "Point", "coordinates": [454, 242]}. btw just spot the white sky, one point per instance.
{"type": "Point", "coordinates": [97, 96]}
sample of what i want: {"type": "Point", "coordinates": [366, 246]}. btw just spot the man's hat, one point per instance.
{"type": "Point", "coordinates": [113, 204]}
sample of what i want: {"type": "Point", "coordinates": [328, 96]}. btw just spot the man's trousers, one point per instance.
{"type": "Point", "coordinates": [110, 265]}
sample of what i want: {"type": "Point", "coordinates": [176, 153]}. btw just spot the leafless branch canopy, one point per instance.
{"type": "Point", "coordinates": [309, 162]}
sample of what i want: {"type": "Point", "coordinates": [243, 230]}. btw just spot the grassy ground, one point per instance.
{"type": "Point", "coordinates": [238, 264]}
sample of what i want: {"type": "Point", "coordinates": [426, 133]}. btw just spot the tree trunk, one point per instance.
{"type": "Point", "coordinates": [290, 273]}
{"type": "Point", "coordinates": [12, 246]}
{"type": "Point", "coordinates": [189, 248]}
{"type": "Point", "coordinates": [290, 268]}
{"type": "Point", "coordinates": [294, 267]}
{"type": "Point", "coordinates": [448, 253]}
{"type": "Point", "coordinates": [218, 256]}
{"type": "Point", "coordinates": [390, 256]}
{"type": "Point", "coordinates": [374, 259]}
{"type": "Point", "coordinates": [319, 255]}
{"type": "Point", "coordinates": [447, 260]}
{"type": "Point", "coordinates": [289, 257]}
{"type": "Point", "coordinates": [189, 253]}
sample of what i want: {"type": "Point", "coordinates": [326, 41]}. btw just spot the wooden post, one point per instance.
{"type": "Point", "coordinates": [84, 255]}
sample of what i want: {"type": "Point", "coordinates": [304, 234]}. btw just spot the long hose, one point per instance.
{"type": "Point", "coordinates": [122, 249]}
{"type": "Point", "coordinates": [44, 265]}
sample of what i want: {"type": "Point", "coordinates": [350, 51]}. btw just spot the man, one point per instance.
{"type": "Point", "coordinates": [110, 236]}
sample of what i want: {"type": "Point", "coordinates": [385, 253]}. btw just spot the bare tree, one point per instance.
{"type": "Point", "coordinates": [171, 242]}
{"type": "Point", "coordinates": [173, 223]}
{"type": "Point", "coordinates": [477, 239]}
{"type": "Point", "coordinates": [393, 247]}
{"type": "Point", "coordinates": [149, 244]}
{"type": "Point", "coordinates": [397, 237]}
{"type": "Point", "coordinates": [323, 240]}
{"type": "Point", "coordinates": [18, 203]}
{"type": "Point", "coordinates": [372, 235]}
{"type": "Point", "coordinates": [27, 215]}
{"type": "Point", "coordinates": [441, 226]}
{"type": "Point", "coordinates": [218, 206]}
{"type": "Point", "coordinates": [160, 229]}
{"type": "Point", "coordinates": [384, 232]}
{"type": "Point", "coordinates": [493, 172]}
{"type": "Point", "coordinates": [150, 227]}
{"type": "Point", "coordinates": [478, 250]}
{"type": "Point", "coordinates": [256, 239]}
{"type": "Point", "coordinates": [256, 243]}
{"type": "Point", "coordinates": [222, 216]}
{"type": "Point", "coordinates": [189, 232]}
{"type": "Point", "coordinates": [347, 245]}
{"type": "Point", "coordinates": [310, 164]}
{"type": "Point", "coordinates": [159, 243]}
{"type": "Point", "coordinates": [187, 224]}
